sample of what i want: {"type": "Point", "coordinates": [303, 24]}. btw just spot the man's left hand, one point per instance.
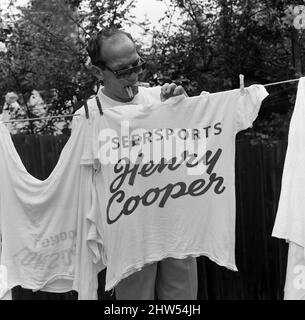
{"type": "Point", "coordinates": [169, 90]}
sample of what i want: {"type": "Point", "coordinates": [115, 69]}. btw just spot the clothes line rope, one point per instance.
{"type": "Point", "coordinates": [280, 82]}
{"type": "Point", "coordinates": [42, 118]}
{"type": "Point", "coordinates": [75, 115]}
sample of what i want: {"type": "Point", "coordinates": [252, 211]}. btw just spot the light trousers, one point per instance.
{"type": "Point", "coordinates": [169, 279]}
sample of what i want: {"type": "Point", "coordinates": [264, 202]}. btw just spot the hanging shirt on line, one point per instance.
{"type": "Point", "coordinates": [43, 223]}
{"type": "Point", "coordinates": [148, 209]}
{"type": "Point", "coordinates": [290, 217]}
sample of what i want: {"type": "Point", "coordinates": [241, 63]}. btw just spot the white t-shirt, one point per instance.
{"type": "Point", "coordinates": [149, 211]}
{"type": "Point", "coordinates": [290, 217]}
{"type": "Point", "coordinates": [43, 223]}
{"type": "Point", "coordinates": [295, 273]}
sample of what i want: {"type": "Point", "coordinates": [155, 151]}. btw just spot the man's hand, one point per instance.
{"type": "Point", "coordinates": [169, 90]}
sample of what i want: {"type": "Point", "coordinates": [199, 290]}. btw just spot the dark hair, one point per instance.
{"type": "Point", "coordinates": [96, 42]}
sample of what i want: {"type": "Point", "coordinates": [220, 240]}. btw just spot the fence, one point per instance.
{"type": "Point", "coordinates": [260, 259]}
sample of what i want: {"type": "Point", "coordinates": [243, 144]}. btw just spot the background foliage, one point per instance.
{"type": "Point", "coordinates": [210, 44]}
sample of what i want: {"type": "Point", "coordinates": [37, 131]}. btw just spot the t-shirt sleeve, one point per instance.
{"type": "Point", "coordinates": [248, 106]}
{"type": "Point", "coordinates": [95, 235]}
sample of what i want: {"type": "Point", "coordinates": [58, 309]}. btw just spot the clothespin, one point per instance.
{"type": "Point", "coordinates": [98, 102]}
{"type": "Point", "coordinates": [241, 84]}
{"type": "Point", "coordinates": [86, 109]}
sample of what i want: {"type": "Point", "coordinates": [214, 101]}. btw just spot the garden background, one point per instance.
{"type": "Point", "coordinates": [42, 47]}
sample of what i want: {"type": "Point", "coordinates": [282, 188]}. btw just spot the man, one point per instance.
{"type": "Point", "coordinates": [116, 62]}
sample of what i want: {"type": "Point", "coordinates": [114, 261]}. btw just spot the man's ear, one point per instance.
{"type": "Point", "coordinates": [96, 71]}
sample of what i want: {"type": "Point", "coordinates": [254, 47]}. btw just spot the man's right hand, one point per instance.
{"type": "Point", "coordinates": [169, 90]}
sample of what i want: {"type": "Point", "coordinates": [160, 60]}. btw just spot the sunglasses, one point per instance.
{"type": "Point", "coordinates": [127, 72]}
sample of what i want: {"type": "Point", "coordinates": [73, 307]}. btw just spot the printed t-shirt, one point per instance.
{"type": "Point", "coordinates": [149, 209]}
{"type": "Point", "coordinates": [290, 218]}
{"type": "Point", "coordinates": [43, 223]}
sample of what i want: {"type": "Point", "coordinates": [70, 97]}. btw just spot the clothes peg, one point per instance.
{"type": "Point", "coordinates": [98, 102]}
{"type": "Point", "coordinates": [86, 109]}
{"type": "Point", "coordinates": [241, 84]}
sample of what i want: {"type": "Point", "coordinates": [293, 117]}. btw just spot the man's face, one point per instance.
{"type": "Point", "coordinates": [118, 53]}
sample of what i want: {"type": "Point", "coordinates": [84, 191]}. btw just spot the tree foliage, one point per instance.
{"type": "Point", "coordinates": [206, 48]}
{"type": "Point", "coordinates": [215, 41]}
{"type": "Point", "coordinates": [45, 48]}
{"type": "Point", "coordinates": [219, 39]}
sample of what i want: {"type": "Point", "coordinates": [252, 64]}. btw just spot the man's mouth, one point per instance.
{"type": "Point", "coordinates": [131, 89]}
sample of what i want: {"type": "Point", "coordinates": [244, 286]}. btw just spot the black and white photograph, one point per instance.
{"type": "Point", "coordinates": [152, 153]}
